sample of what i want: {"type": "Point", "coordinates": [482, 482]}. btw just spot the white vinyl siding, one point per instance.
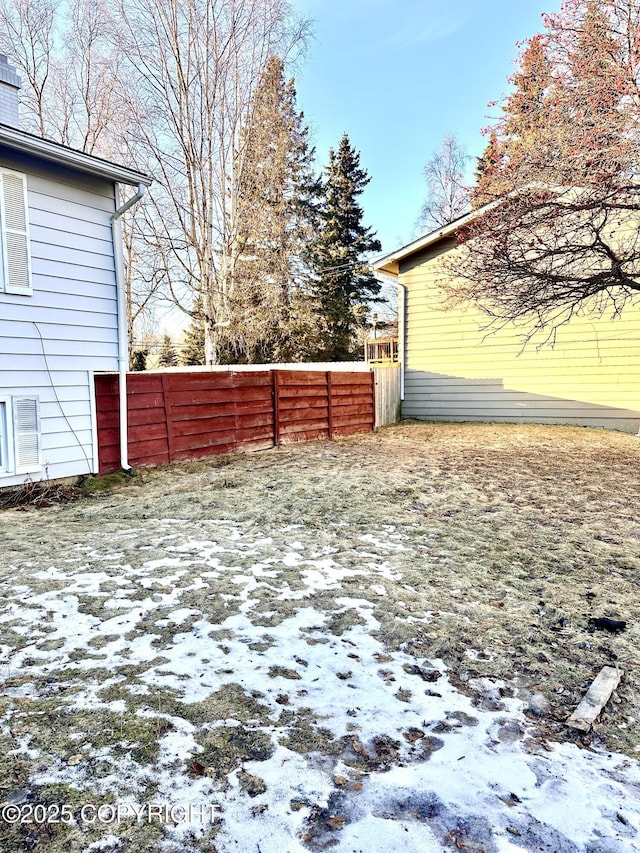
{"type": "Point", "coordinates": [52, 343]}
{"type": "Point", "coordinates": [14, 225]}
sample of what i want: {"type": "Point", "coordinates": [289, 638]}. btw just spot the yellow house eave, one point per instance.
{"type": "Point", "coordinates": [390, 264]}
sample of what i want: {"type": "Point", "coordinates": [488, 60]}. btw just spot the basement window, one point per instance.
{"type": "Point", "coordinates": [20, 439]}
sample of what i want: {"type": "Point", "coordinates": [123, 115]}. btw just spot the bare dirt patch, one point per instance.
{"type": "Point", "coordinates": [185, 625]}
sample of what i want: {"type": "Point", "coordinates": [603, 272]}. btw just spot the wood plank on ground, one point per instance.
{"type": "Point", "coordinates": [595, 699]}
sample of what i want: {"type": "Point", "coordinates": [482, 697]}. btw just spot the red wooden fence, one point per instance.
{"type": "Point", "coordinates": [178, 416]}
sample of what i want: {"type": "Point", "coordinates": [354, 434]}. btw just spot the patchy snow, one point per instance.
{"type": "Point", "coordinates": [402, 760]}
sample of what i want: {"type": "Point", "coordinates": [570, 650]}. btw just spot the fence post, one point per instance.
{"type": "Point", "coordinates": [329, 404]}
{"type": "Point", "coordinates": [166, 392]}
{"type": "Point", "coordinates": [234, 396]}
{"type": "Point", "coordinates": [274, 393]}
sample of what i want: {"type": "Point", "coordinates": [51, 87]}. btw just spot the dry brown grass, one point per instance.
{"type": "Point", "coordinates": [500, 543]}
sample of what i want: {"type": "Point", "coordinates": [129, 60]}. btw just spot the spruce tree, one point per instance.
{"type": "Point", "coordinates": [561, 242]}
{"type": "Point", "coordinates": [275, 210]}
{"type": "Point", "coordinates": [488, 183]}
{"type": "Point", "coordinates": [193, 351]}
{"type": "Point", "coordinates": [138, 359]}
{"type": "Point", "coordinates": [344, 284]}
{"type": "Point", "coordinates": [522, 141]}
{"type": "Point", "coordinates": [168, 356]}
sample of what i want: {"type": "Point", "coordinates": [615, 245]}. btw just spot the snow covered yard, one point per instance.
{"type": "Point", "coordinates": [364, 645]}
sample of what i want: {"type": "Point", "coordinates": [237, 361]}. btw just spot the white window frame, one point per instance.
{"type": "Point", "coordinates": [26, 287]}
{"type": "Point", "coordinates": [6, 436]}
{"type": "Point", "coordinates": [8, 460]}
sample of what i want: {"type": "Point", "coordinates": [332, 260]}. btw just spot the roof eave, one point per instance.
{"type": "Point", "coordinates": [53, 152]}
{"type": "Point", "coordinates": [390, 264]}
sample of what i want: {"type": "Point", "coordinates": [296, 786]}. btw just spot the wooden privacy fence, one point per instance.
{"type": "Point", "coordinates": [177, 416]}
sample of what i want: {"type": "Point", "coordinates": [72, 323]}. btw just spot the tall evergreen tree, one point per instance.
{"type": "Point", "coordinates": [193, 352]}
{"type": "Point", "coordinates": [275, 213]}
{"type": "Point", "coordinates": [488, 170]}
{"type": "Point", "coordinates": [595, 101]}
{"type": "Point", "coordinates": [168, 357]}
{"type": "Point", "coordinates": [138, 359]}
{"type": "Point", "coordinates": [522, 141]}
{"type": "Point", "coordinates": [344, 283]}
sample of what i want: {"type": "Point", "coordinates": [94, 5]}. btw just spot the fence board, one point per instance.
{"type": "Point", "coordinates": [387, 395]}
{"type": "Point", "coordinates": [302, 377]}
{"type": "Point", "coordinates": [178, 416]}
{"type": "Point", "coordinates": [306, 435]}
{"type": "Point", "coordinates": [305, 425]}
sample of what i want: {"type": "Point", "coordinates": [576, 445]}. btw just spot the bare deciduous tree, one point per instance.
{"type": "Point", "coordinates": [166, 84]}
{"type": "Point", "coordinates": [26, 36]}
{"type": "Point", "coordinates": [447, 196]}
{"type": "Point", "coordinates": [73, 92]}
{"type": "Point", "coordinates": [196, 64]}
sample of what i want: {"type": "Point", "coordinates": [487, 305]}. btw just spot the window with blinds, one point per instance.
{"type": "Point", "coordinates": [14, 230]}
{"type": "Point", "coordinates": [20, 439]}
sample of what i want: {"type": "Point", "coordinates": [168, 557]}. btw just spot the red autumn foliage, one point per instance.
{"type": "Point", "coordinates": [559, 178]}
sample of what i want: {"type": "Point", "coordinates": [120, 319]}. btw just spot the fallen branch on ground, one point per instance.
{"type": "Point", "coordinates": [40, 494]}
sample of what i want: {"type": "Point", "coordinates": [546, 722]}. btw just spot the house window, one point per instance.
{"type": "Point", "coordinates": [20, 440]}
{"type": "Point", "coordinates": [14, 233]}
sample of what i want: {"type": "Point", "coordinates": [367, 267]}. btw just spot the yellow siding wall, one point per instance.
{"type": "Point", "coordinates": [454, 370]}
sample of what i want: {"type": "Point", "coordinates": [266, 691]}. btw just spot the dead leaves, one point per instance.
{"type": "Point", "coordinates": [359, 748]}
{"type": "Point", "coordinates": [429, 675]}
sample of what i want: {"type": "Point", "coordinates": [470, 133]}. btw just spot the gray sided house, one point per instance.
{"type": "Point", "coordinates": [62, 309]}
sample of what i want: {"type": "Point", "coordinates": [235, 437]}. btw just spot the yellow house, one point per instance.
{"type": "Point", "coordinates": [455, 370]}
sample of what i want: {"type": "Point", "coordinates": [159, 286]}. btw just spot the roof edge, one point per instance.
{"type": "Point", "coordinates": [388, 264]}
{"type": "Point", "coordinates": [55, 152]}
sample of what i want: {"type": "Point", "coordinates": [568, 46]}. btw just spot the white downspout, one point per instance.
{"type": "Point", "coordinates": [123, 343]}
{"type": "Point", "coordinates": [402, 321]}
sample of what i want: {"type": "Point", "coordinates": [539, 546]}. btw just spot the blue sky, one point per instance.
{"type": "Point", "coordinates": [397, 76]}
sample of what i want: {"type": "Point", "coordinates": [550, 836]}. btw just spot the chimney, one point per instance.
{"type": "Point", "coordinates": [9, 86]}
